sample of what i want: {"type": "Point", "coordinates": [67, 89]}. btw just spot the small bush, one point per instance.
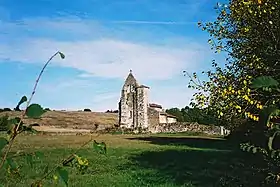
{"type": "Point", "coordinates": [87, 110]}
{"type": "Point", "coordinates": [47, 109]}
{"type": "Point", "coordinates": [4, 123]}
{"type": "Point", "coordinates": [7, 109]}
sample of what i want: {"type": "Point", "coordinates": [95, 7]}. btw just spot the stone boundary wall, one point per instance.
{"type": "Point", "coordinates": [184, 127]}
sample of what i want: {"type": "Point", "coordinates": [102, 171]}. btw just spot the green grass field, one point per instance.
{"type": "Point", "coordinates": [142, 160]}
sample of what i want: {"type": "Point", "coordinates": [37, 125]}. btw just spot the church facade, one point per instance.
{"type": "Point", "coordinates": [135, 111]}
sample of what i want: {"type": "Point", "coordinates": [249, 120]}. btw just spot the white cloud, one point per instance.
{"type": "Point", "coordinates": [107, 57]}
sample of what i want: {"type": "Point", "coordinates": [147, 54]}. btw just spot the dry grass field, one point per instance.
{"type": "Point", "coordinates": [71, 120]}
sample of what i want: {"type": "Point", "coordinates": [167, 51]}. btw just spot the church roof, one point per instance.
{"type": "Point", "coordinates": [143, 86]}
{"type": "Point", "coordinates": [154, 105]}
{"type": "Point", "coordinates": [130, 80]}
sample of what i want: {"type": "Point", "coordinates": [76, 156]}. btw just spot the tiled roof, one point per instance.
{"type": "Point", "coordinates": [153, 105]}
{"type": "Point", "coordinates": [143, 86]}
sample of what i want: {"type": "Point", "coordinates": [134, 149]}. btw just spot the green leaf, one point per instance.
{"type": "Point", "coordinates": [255, 150]}
{"type": "Point", "coordinates": [63, 174]}
{"type": "Point", "coordinates": [61, 55]}
{"type": "Point", "coordinates": [271, 139]}
{"type": "Point", "coordinates": [266, 113]}
{"type": "Point", "coordinates": [273, 154]}
{"type": "Point", "coordinates": [3, 142]}
{"type": "Point", "coordinates": [264, 82]}
{"type": "Point", "coordinates": [34, 111]}
{"type": "Point", "coordinates": [22, 100]}
{"type": "Point", "coordinates": [12, 122]}
{"type": "Point", "coordinates": [100, 147]}
{"type": "Point", "coordinates": [15, 121]}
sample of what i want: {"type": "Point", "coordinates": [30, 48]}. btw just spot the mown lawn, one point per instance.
{"type": "Point", "coordinates": [142, 160]}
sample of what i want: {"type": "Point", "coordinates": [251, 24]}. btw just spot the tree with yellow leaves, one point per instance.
{"type": "Point", "coordinates": [248, 32]}
{"type": "Point", "coordinates": [244, 91]}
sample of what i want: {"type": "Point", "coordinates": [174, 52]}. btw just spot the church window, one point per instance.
{"type": "Point", "coordinates": [130, 114]}
{"type": "Point", "coordinates": [128, 89]}
{"type": "Point", "coordinates": [131, 88]}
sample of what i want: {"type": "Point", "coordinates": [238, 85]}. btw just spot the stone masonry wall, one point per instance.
{"type": "Point", "coordinates": [123, 112]}
{"type": "Point", "coordinates": [142, 104]}
{"type": "Point", "coordinates": [128, 103]}
{"type": "Point", "coordinates": [128, 108]}
{"type": "Point", "coordinates": [185, 127]}
{"type": "Point", "coordinates": [153, 117]}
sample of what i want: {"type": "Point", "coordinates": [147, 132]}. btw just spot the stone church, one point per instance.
{"type": "Point", "coordinates": [135, 110]}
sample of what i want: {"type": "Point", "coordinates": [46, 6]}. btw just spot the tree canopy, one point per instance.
{"type": "Point", "coordinates": [189, 114]}
{"type": "Point", "coordinates": [248, 32]}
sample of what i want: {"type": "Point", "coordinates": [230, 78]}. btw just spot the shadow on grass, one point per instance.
{"type": "Point", "coordinates": [211, 165]}
{"type": "Point", "coordinates": [195, 142]}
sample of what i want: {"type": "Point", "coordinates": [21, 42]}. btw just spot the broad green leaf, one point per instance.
{"type": "Point", "coordinates": [266, 113]}
{"type": "Point", "coordinates": [61, 55]}
{"type": "Point", "coordinates": [22, 100]}
{"type": "Point", "coordinates": [100, 147]}
{"type": "Point", "coordinates": [3, 143]}
{"type": "Point", "coordinates": [264, 82]}
{"type": "Point", "coordinates": [63, 174]}
{"type": "Point", "coordinates": [34, 111]}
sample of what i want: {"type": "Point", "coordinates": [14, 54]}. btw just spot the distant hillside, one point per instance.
{"type": "Point", "coordinates": [77, 120]}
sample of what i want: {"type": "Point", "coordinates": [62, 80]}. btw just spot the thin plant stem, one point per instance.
{"type": "Point", "coordinates": [16, 128]}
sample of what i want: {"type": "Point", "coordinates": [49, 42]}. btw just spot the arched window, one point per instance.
{"type": "Point", "coordinates": [128, 89]}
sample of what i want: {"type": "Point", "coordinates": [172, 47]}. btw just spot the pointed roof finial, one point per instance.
{"type": "Point", "coordinates": [130, 71]}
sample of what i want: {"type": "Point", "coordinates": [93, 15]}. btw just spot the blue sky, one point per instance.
{"type": "Point", "coordinates": [102, 41]}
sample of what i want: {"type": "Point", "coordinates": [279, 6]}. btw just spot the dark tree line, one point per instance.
{"type": "Point", "coordinates": [187, 114]}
